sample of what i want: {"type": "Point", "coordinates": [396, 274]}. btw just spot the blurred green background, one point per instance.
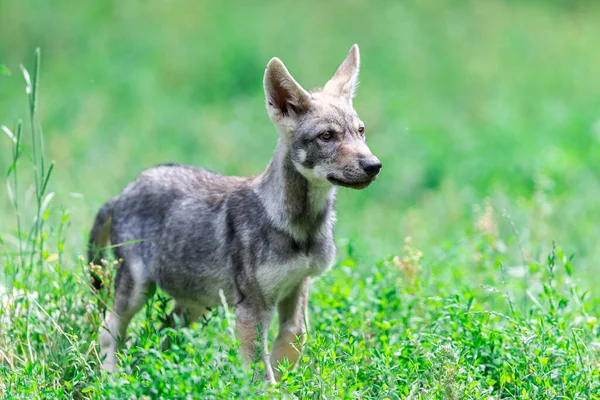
{"type": "Point", "coordinates": [466, 103]}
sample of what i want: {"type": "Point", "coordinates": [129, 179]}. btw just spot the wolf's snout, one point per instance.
{"type": "Point", "coordinates": [371, 166]}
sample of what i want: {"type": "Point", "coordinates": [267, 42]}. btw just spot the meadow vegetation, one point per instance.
{"type": "Point", "coordinates": [468, 270]}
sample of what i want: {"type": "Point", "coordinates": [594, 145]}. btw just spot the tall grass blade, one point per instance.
{"type": "Point", "coordinates": [9, 133]}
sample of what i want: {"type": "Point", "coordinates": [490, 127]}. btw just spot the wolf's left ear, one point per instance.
{"type": "Point", "coordinates": [345, 80]}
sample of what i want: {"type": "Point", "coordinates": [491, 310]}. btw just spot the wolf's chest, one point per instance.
{"type": "Point", "coordinates": [276, 280]}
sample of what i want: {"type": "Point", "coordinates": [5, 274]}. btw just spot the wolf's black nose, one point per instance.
{"type": "Point", "coordinates": [371, 167]}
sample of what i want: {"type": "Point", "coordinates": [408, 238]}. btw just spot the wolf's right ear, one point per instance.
{"type": "Point", "coordinates": [345, 80]}
{"type": "Point", "coordinates": [285, 97]}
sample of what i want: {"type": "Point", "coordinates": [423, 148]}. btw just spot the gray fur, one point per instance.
{"type": "Point", "coordinates": [257, 239]}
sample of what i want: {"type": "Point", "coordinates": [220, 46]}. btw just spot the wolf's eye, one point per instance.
{"type": "Point", "coordinates": [326, 136]}
{"type": "Point", "coordinates": [361, 130]}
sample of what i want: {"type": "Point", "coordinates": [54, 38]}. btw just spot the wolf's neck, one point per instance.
{"type": "Point", "coordinates": [293, 203]}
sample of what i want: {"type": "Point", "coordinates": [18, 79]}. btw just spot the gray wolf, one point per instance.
{"type": "Point", "coordinates": [256, 241]}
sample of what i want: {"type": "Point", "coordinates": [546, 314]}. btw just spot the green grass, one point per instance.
{"type": "Point", "coordinates": [485, 116]}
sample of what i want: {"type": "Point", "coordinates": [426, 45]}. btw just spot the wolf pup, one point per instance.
{"type": "Point", "coordinates": [255, 240]}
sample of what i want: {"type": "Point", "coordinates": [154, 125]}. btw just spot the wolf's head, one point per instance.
{"type": "Point", "coordinates": [324, 136]}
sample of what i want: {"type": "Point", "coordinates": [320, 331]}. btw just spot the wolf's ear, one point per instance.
{"type": "Point", "coordinates": [285, 97]}
{"type": "Point", "coordinates": [345, 80]}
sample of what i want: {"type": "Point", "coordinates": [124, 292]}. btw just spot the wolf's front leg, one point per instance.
{"type": "Point", "coordinates": [252, 324]}
{"type": "Point", "coordinates": [293, 317]}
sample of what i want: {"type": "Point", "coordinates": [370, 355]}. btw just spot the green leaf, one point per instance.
{"type": "Point", "coordinates": [547, 290]}
{"type": "Point", "coordinates": [569, 268]}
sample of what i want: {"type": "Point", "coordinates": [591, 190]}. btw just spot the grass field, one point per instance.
{"type": "Point", "coordinates": [468, 270]}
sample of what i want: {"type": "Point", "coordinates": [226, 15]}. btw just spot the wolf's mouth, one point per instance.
{"type": "Point", "coordinates": [353, 185]}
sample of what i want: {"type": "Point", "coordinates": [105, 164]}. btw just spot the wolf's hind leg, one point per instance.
{"type": "Point", "coordinates": [132, 290]}
{"type": "Point", "coordinates": [293, 316]}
